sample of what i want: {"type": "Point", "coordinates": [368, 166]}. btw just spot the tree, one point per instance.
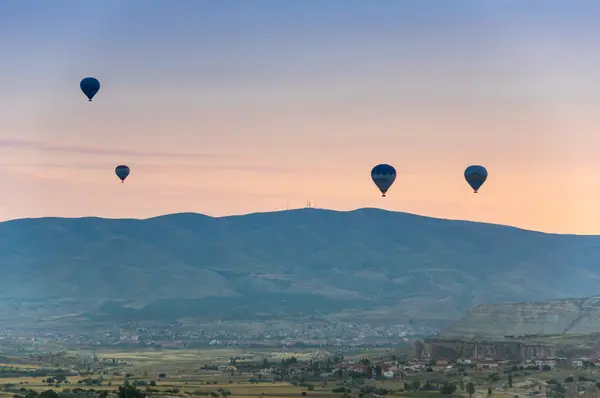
{"type": "Point", "coordinates": [265, 363]}
{"type": "Point", "coordinates": [470, 389]}
{"type": "Point", "coordinates": [130, 391]}
{"type": "Point", "coordinates": [448, 388]}
{"type": "Point", "coordinates": [415, 385]}
{"type": "Point", "coordinates": [489, 391]}
{"type": "Point", "coordinates": [461, 385]}
{"type": "Point", "coordinates": [48, 394]}
{"type": "Point", "coordinates": [378, 371]}
{"type": "Point", "coordinates": [510, 380]}
{"type": "Point", "coordinates": [339, 373]}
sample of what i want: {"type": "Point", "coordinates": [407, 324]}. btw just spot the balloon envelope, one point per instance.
{"type": "Point", "coordinates": [383, 176]}
{"type": "Point", "coordinates": [90, 87]}
{"type": "Point", "coordinates": [476, 176]}
{"type": "Point", "coordinates": [122, 172]}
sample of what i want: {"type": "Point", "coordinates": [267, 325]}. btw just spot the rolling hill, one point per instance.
{"type": "Point", "coordinates": [289, 263]}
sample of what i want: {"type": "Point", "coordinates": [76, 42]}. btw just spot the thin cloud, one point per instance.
{"type": "Point", "coordinates": [42, 146]}
{"type": "Point", "coordinates": [158, 168]}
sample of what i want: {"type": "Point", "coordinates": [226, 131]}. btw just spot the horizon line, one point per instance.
{"type": "Point", "coordinates": [296, 210]}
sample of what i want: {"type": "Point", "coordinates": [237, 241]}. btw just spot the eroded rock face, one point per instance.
{"type": "Point", "coordinates": [506, 350]}
{"type": "Point", "coordinates": [527, 320]}
{"type": "Point", "coordinates": [519, 331]}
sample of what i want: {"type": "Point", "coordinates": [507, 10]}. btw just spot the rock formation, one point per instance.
{"type": "Point", "coordinates": [497, 350]}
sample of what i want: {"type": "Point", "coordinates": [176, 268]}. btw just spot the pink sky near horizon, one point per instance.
{"type": "Point", "coordinates": [296, 127]}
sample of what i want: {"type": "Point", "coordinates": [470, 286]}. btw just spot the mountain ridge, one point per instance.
{"type": "Point", "coordinates": [298, 210]}
{"type": "Point", "coordinates": [378, 263]}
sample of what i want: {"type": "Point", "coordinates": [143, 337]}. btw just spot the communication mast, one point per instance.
{"type": "Point", "coordinates": [310, 205]}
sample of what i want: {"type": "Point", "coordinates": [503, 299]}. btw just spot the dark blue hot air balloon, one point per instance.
{"type": "Point", "coordinates": [122, 172]}
{"type": "Point", "coordinates": [383, 176]}
{"type": "Point", "coordinates": [90, 87]}
{"type": "Point", "coordinates": [476, 176]}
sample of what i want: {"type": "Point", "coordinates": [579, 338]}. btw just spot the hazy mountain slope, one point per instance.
{"type": "Point", "coordinates": [281, 262]}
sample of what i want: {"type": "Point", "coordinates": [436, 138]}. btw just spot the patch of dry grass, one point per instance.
{"type": "Point", "coordinates": [20, 366]}
{"type": "Point", "coordinates": [189, 384]}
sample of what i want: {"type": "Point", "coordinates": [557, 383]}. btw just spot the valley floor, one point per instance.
{"type": "Point", "coordinates": [267, 373]}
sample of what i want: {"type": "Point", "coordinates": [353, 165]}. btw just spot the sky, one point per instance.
{"type": "Point", "coordinates": [230, 107]}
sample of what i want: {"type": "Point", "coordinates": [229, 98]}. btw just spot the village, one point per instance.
{"type": "Point", "coordinates": [315, 333]}
{"type": "Point", "coordinates": [321, 372]}
{"type": "Point", "coordinates": [392, 368]}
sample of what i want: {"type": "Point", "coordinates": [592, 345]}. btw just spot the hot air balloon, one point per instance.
{"type": "Point", "coordinates": [122, 172]}
{"type": "Point", "coordinates": [90, 87]}
{"type": "Point", "coordinates": [476, 176]}
{"type": "Point", "coordinates": [383, 176]}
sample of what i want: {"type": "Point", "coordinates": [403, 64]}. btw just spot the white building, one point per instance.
{"type": "Point", "coordinates": [577, 363]}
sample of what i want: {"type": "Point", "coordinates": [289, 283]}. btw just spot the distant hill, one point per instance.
{"type": "Point", "coordinates": [529, 320]}
{"type": "Point", "coordinates": [290, 263]}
